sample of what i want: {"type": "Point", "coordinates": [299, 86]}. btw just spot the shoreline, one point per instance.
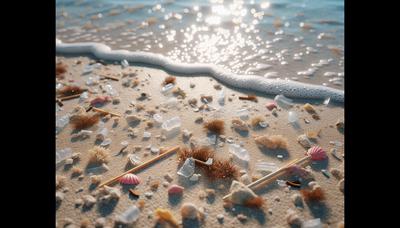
{"type": "Point", "coordinates": [291, 89]}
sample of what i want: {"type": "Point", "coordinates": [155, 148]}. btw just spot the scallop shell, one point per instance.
{"type": "Point", "coordinates": [134, 160]}
{"type": "Point", "coordinates": [175, 189]}
{"type": "Point", "coordinates": [270, 105]}
{"type": "Point", "coordinates": [130, 179]}
{"type": "Point", "coordinates": [317, 153]}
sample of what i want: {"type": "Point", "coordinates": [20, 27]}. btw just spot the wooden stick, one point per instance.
{"type": "Point", "coordinates": [105, 112]}
{"type": "Point", "coordinates": [70, 97]}
{"type": "Point", "coordinates": [137, 168]}
{"type": "Point", "coordinates": [110, 77]}
{"type": "Point", "coordinates": [267, 179]}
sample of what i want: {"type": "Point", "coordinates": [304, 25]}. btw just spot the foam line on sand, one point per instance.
{"type": "Point", "coordinates": [261, 84]}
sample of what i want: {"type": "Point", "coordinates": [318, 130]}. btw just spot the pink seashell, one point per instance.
{"type": "Point", "coordinates": [175, 189]}
{"type": "Point", "coordinates": [317, 153]}
{"type": "Point", "coordinates": [270, 105]}
{"type": "Point", "coordinates": [129, 178]}
{"type": "Point", "coordinates": [100, 100]}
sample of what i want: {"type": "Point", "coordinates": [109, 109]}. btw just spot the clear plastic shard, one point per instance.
{"type": "Point", "coordinates": [187, 169]}
{"type": "Point", "coordinates": [283, 101]}
{"type": "Point", "coordinates": [241, 156]}
{"type": "Point", "coordinates": [292, 117]}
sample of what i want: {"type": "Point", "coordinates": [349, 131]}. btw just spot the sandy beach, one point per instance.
{"type": "Point", "coordinates": [277, 198]}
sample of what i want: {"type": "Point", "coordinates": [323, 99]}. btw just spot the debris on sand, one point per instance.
{"type": "Point", "coordinates": [257, 121]}
{"type": "Point", "coordinates": [239, 125]}
{"type": "Point", "coordinates": [293, 218]}
{"type": "Point", "coordinates": [169, 79]}
{"type": "Point", "coordinates": [314, 194]}
{"type": "Point", "coordinates": [189, 211]}
{"type": "Point", "coordinates": [240, 193]}
{"type": "Point", "coordinates": [304, 141]}
{"type": "Point", "coordinates": [215, 126]}
{"type": "Point", "coordinates": [175, 190]}
{"type": "Point", "coordinates": [272, 142]}
{"type": "Point", "coordinates": [83, 121]}
{"type": "Point", "coordinates": [88, 200]}
{"type": "Point", "coordinates": [99, 155]}
{"type": "Point", "coordinates": [166, 215]}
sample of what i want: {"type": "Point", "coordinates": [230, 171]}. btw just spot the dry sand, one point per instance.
{"type": "Point", "coordinates": [331, 212]}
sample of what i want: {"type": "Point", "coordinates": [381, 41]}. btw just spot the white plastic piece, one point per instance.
{"type": "Point", "coordinates": [221, 97]}
{"type": "Point", "coordinates": [292, 117]}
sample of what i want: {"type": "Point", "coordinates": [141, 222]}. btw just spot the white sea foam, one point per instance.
{"type": "Point", "coordinates": [253, 82]}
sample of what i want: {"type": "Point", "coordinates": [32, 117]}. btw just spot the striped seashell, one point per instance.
{"type": "Point", "coordinates": [175, 189]}
{"type": "Point", "coordinates": [316, 153]}
{"type": "Point", "coordinates": [129, 178]}
{"type": "Point", "coordinates": [270, 105]}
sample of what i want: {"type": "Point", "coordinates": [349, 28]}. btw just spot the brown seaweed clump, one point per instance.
{"type": "Point", "coordinates": [84, 121]}
{"type": "Point", "coordinates": [202, 154]}
{"type": "Point", "coordinates": [215, 126]}
{"type": "Point", "coordinates": [70, 90]}
{"type": "Point", "coordinates": [255, 121]}
{"type": "Point", "coordinates": [222, 170]}
{"type": "Point", "coordinates": [99, 155]}
{"type": "Point", "coordinates": [315, 194]}
{"type": "Point", "coordinates": [255, 202]}
{"type": "Point", "coordinates": [272, 142]}
{"type": "Point", "coordinates": [61, 69]}
{"type": "Point", "coordinates": [169, 79]}
{"type": "Point", "coordinates": [217, 170]}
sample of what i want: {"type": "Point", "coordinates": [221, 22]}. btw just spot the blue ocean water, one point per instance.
{"type": "Point", "coordinates": [293, 40]}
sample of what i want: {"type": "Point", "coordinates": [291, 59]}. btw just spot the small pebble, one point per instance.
{"type": "Point", "coordinates": [168, 177]}
{"type": "Point", "coordinates": [69, 161]}
{"type": "Point", "coordinates": [100, 222]}
{"type": "Point", "coordinates": [68, 221]}
{"type": "Point", "coordinates": [165, 184]}
{"type": "Point", "coordinates": [277, 199]}
{"type": "Point", "coordinates": [297, 200]}
{"type": "Point", "coordinates": [59, 196]}
{"type": "Point", "coordinates": [192, 85]}
{"type": "Point", "coordinates": [336, 173]}
{"type": "Point", "coordinates": [210, 193]}
{"type": "Point", "coordinates": [242, 217]}
{"type": "Point", "coordinates": [148, 194]}
{"type": "Point", "coordinates": [220, 218]}
{"type": "Point", "coordinates": [88, 200]}
{"type": "Point", "coordinates": [341, 185]}
{"type": "Point", "coordinates": [78, 202]}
